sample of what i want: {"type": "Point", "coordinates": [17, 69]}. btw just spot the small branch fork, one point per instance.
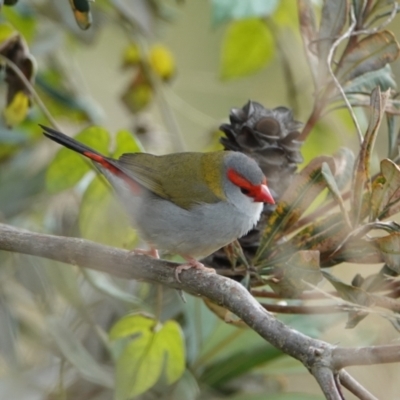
{"type": "Point", "coordinates": [324, 361]}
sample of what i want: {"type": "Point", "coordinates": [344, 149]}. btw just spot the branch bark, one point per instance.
{"type": "Point", "coordinates": [354, 387]}
{"type": "Point", "coordinates": [366, 355]}
{"type": "Point", "coordinates": [322, 359]}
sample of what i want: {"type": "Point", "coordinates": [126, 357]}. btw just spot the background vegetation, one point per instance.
{"type": "Point", "coordinates": [162, 76]}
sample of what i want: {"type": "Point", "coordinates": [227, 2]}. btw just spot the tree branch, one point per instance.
{"type": "Point", "coordinates": [125, 264]}
{"type": "Point", "coordinates": [322, 359]}
{"type": "Point", "coordinates": [327, 382]}
{"type": "Point", "coordinates": [366, 355]}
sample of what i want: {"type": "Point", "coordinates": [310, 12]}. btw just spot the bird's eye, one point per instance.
{"type": "Point", "coordinates": [245, 191]}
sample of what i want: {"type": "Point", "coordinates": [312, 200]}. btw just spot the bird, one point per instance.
{"type": "Point", "coordinates": [187, 203]}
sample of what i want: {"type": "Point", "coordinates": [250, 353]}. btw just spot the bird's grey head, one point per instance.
{"type": "Point", "coordinates": [245, 178]}
{"type": "Point", "coordinates": [245, 166]}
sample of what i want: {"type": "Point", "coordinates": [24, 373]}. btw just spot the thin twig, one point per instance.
{"type": "Point", "coordinates": [304, 310]}
{"type": "Point", "coordinates": [335, 45]}
{"type": "Point", "coordinates": [354, 387]}
{"type": "Point", "coordinates": [303, 296]}
{"type": "Point", "coordinates": [14, 67]}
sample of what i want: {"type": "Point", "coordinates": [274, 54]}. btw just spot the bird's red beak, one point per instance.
{"type": "Point", "coordinates": [264, 195]}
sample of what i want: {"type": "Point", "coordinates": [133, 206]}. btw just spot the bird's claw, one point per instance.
{"type": "Point", "coordinates": [191, 264]}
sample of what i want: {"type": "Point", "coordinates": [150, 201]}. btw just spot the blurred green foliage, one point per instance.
{"type": "Point", "coordinates": [67, 333]}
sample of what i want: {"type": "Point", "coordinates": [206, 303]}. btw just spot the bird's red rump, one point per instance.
{"type": "Point", "coordinates": [102, 161]}
{"type": "Point", "coordinates": [259, 193]}
{"type": "Point", "coordinates": [113, 169]}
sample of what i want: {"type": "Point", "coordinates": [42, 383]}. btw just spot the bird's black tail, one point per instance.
{"type": "Point", "coordinates": [68, 142]}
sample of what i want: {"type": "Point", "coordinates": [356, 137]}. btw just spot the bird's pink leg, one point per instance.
{"type": "Point", "coordinates": [191, 263]}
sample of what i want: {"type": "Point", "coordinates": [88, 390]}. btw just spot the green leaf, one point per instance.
{"type": "Point", "coordinates": [131, 325]}
{"type": "Point", "coordinates": [65, 171]}
{"type": "Point", "coordinates": [361, 171]}
{"type": "Point", "coordinates": [384, 189]}
{"type": "Point", "coordinates": [77, 355]}
{"type": "Point", "coordinates": [247, 47]}
{"type": "Point", "coordinates": [126, 143]}
{"type": "Point", "coordinates": [333, 19]}
{"type": "Point", "coordinates": [370, 54]}
{"type": "Point", "coordinates": [226, 10]}
{"type": "Point", "coordinates": [102, 219]}
{"type": "Point", "coordinates": [140, 364]}
{"type": "Point", "coordinates": [365, 83]}
{"type": "Point", "coordinates": [171, 339]}
{"type": "Point", "coordinates": [69, 167]}
{"type": "Point", "coordinates": [349, 293]}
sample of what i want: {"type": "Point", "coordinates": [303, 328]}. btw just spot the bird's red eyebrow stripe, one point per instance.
{"type": "Point", "coordinates": [238, 180]}
{"type": "Point", "coordinates": [114, 170]}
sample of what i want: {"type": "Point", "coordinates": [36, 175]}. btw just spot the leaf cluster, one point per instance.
{"type": "Point", "coordinates": [336, 210]}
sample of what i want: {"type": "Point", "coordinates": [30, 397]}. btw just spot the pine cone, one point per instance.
{"type": "Point", "coordinates": [269, 137]}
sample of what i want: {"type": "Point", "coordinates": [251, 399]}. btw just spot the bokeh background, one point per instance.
{"type": "Point", "coordinates": [49, 310]}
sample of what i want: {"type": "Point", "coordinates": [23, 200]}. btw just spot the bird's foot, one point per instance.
{"type": "Point", "coordinates": [191, 263]}
{"type": "Point", "coordinates": [151, 252]}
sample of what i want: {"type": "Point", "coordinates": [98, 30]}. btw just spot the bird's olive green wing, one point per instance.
{"type": "Point", "coordinates": [185, 179]}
